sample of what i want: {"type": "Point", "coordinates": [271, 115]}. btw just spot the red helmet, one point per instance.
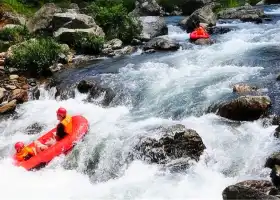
{"type": "Point", "coordinates": [19, 145]}
{"type": "Point", "coordinates": [61, 111]}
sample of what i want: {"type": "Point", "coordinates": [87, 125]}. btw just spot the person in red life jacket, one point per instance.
{"type": "Point", "coordinates": [63, 129]}
{"type": "Point", "coordinates": [199, 31]}
{"type": "Point", "coordinates": [23, 152]}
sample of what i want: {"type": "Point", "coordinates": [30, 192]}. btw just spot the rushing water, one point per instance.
{"type": "Point", "coordinates": [155, 90]}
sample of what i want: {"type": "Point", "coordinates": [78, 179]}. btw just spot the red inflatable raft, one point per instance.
{"type": "Point", "coordinates": [80, 129]}
{"type": "Point", "coordinates": [194, 35]}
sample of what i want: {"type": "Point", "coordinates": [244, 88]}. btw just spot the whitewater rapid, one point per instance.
{"type": "Point", "coordinates": [172, 88]}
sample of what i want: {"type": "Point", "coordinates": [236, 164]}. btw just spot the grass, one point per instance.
{"type": "Point", "coordinates": [18, 7]}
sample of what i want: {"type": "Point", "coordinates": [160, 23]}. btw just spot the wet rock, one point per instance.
{"type": "Point", "coordinates": [20, 95]}
{"type": "Point", "coordinates": [177, 143]}
{"type": "Point", "coordinates": [34, 129]}
{"type": "Point", "coordinates": [34, 92]}
{"type": "Point", "coordinates": [41, 21]}
{"type": "Point", "coordinates": [8, 107]}
{"type": "Point", "coordinates": [273, 160]}
{"type": "Point", "coordinates": [275, 175]}
{"type": "Point", "coordinates": [147, 8]}
{"type": "Point", "coordinates": [264, 186]}
{"type": "Point", "coordinates": [243, 192]}
{"type": "Point", "coordinates": [162, 43]}
{"type": "Point", "coordinates": [218, 30]}
{"type": "Point", "coordinates": [245, 108]}
{"type": "Point", "coordinates": [202, 15]}
{"type": "Point", "coordinates": [202, 41]}
{"type": "Point", "coordinates": [244, 13]}
{"type": "Point", "coordinates": [56, 67]}
{"type": "Point", "coordinates": [244, 88]}
{"type": "Point", "coordinates": [152, 27]}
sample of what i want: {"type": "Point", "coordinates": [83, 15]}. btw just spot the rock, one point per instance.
{"type": "Point", "coordinates": [9, 17]}
{"type": "Point", "coordinates": [2, 93]}
{"type": "Point", "coordinates": [244, 88]}
{"type": "Point", "coordinates": [147, 8]}
{"type": "Point", "coordinates": [56, 67]}
{"type": "Point", "coordinates": [20, 95]}
{"type": "Point", "coordinates": [245, 108]}
{"type": "Point", "coordinates": [273, 160]}
{"type": "Point", "coordinates": [264, 186]}
{"type": "Point", "coordinates": [41, 21]}
{"type": "Point", "coordinates": [152, 27]}
{"type": "Point", "coordinates": [2, 62]}
{"type": "Point", "coordinates": [94, 91]}
{"type": "Point", "coordinates": [2, 54]}
{"type": "Point", "coordinates": [34, 92]}
{"type": "Point", "coordinates": [125, 51]}
{"type": "Point", "coordinates": [244, 13]}
{"type": "Point", "coordinates": [114, 44]}
{"type": "Point", "coordinates": [72, 21]}
{"type": "Point", "coordinates": [242, 192]}
{"type": "Point", "coordinates": [14, 77]}
{"type": "Point", "coordinates": [10, 87]}
{"type": "Point", "coordinates": [275, 175]}
{"type": "Point", "coordinates": [162, 43]}
{"type": "Point", "coordinates": [218, 30]}
{"type": "Point", "coordinates": [34, 128]}
{"type": "Point", "coordinates": [11, 26]}
{"type": "Point", "coordinates": [262, 2]}
{"type": "Point", "coordinates": [189, 6]}
{"type": "Point", "coordinates": [8, 107]}
{"type": "Point", "coordinates": [74, 6]}
{"type": "Point", "coordinates": [203, 41]}
{"type": "Point", "coordinates": [202, 15]}
{"type": "Point", "coordinates": [177, 143]}
{"type": "Point", "coordinates": [68, 36]}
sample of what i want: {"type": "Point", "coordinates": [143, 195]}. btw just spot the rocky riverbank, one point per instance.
{"type": "Point", "coordinates": [75, 31]}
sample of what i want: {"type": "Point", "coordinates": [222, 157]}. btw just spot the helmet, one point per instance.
{"type": "Point", "coordinates": [19, 145]}
{"type": "Point", "coordinates": [61, 111]}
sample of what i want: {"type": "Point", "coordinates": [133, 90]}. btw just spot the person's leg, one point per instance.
{"type": "Point", "coordinates": [39, 146]}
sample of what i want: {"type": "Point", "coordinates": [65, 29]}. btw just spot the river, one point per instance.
{"type": "Point", "coordinates": [153, 90]}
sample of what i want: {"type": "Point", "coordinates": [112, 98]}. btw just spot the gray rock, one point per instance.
{"type": "Point", "coordinates": [162, 43]}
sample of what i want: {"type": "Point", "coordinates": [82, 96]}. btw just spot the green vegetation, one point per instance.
{"type": "Point", "coordinates": [15, 35]}
{"type": "Point", "coordinates": [35, 55]}
{"type": "Point", "coordinates": [113, 18]}
{"type": "Point", "coordinates": [88, 44]}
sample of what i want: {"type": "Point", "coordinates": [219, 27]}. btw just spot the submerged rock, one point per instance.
{"type": "Point", "coordinates": [244, 88]}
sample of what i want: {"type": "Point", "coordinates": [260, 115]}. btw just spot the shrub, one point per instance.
{"type": "Point", "coordinates": [35, 56]}
{"type": "Point", "coordinates": [15, 35]}
{"type": "Point", "coordinates": [113, 17]}
{"type": "Point", "coordinates": [88, 44]}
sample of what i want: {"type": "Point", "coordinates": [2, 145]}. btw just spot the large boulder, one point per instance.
{"type": "Point", "coordinates": [9, 17]}
{"type": "Point", "coordinates": [244, 13]}
{"type": "Point", "coordinates": [163, 43]}
{"type": "Point", "coordinates": [7, 107]}
{"type": "Point", "coordinates": [189, 6]}
{"type": "Point", "coordinates": [66, 35]}
{"type": "Point", "coordinates": [202, 15]}
{"type": "Point", "coordinates": [72, 20]}
{"type": "Point", "coordinates": [245, 108]}
{"type": "Point", "coordinates": [147, 8]}
{"type": "Point", "coordinates": [41, 21]}
{"type": "Point", "coordinates": [152, 27]}
{"type": "Point", "coordinates": [255, 189]}
{"type": "Point", "coordinates": [177, 143]}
